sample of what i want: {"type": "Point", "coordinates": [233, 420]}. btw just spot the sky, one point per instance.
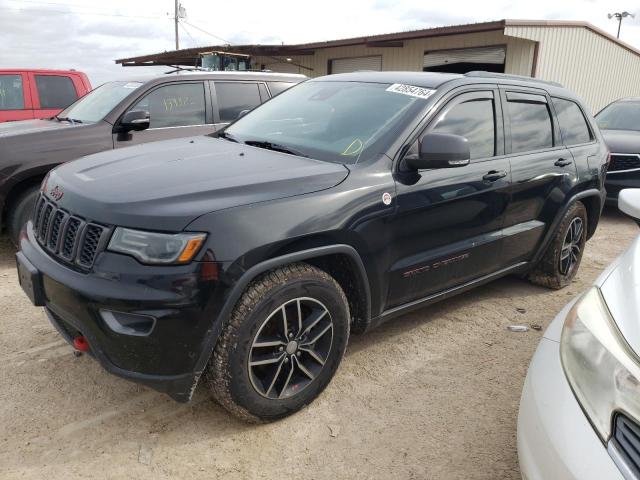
{"type": "Point", "coordinates": [88, 35]}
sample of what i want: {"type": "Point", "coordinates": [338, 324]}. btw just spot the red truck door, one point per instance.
{"type": "Point", "coordinates": [15, 96]}
{"type": "Point", "coordinates": [53, 92]}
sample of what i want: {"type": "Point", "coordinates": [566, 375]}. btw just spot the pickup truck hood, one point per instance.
{"type": "Point", "coordinates": [165, 185]}
{"type": "Point", "coordinates": [31, 126]}
{"type": "Point", "coordinates": [620, 286]}
{"type": "Point", "coordinates": [622, 141]}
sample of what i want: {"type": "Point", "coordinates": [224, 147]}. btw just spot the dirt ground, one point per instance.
{"type": "Point", "coordinates": [432, 395]}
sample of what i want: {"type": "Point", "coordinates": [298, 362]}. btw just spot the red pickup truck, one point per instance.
{"type": "Point", "coordinates": [28, 94]}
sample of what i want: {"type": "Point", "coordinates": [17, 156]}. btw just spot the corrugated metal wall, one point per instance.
{"type": "Point", "coordinates": [411, 55]}
{"type": "Point", "coordinates": [593, 66]}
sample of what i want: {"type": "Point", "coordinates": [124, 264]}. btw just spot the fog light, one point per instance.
{"type": "Point", "coordinates": [128, 323]}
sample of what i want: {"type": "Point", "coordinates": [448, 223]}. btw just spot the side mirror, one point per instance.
{"type": "Point", "coordinates": [243, 113]}
{"type": "Point", "coordinates": [136, 120]}
{"type": "Point", "coordinates": [629, 202]}
{"type": "Point", "coordinates": [440, 150]}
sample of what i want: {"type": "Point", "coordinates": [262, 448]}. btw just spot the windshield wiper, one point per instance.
{"type": "Point", "coordinates": [72, 121]}
{"type": "Point", "coordinates": [275, 147]}
{"type": "Point", "coordinates": [227, 136]}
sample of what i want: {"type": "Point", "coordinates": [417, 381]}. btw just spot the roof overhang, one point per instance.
{"type": "Point", "coordinates": [190, 56]}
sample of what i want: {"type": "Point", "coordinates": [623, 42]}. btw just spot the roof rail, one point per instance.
{"type": "Point", "coordinates": [178, 68]}
{"type": "Point", "coordinates": [506, 76]}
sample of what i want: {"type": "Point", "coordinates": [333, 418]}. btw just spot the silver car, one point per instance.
{"type": "Point", "coordinates": [580, 409]}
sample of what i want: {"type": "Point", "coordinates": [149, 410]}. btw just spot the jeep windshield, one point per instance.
{"type": "Point", "coordinates": [620, 116]}
{"type": "Point", "coordinates": [95, 105]}
{"type": "Point", "coordinates": [344, 122]}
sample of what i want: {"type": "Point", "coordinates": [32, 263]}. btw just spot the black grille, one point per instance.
{"type": "Point", "coordinates": [73, 227]}
{"type": "Point", "coordinates": [92, 236]}
{"type": "Point", "coordinates": [626, 436]}
{"type": "Point", "coordinates": [623, 162]}
{"type": "Point", "coordinates": [66, 236]}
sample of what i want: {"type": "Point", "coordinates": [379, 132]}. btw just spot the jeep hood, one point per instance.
{"type": "Point", "coordinates": [25, 127]}
{"type": "Point", "coordinates": [166, 185]}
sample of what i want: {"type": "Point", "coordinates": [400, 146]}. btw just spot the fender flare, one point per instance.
{"type": "Point", "coordinates": [240, 286]}
{"type": "Point", "coordinates": [592, 192]}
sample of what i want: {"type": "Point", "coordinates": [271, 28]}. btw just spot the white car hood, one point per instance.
{"type": "Point", "coordinates": [620, 286]}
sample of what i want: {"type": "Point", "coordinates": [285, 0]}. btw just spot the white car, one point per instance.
{"type": "Point", "coordinates": [580, 409]}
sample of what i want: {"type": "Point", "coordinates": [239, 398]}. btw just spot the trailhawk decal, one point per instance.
{"type": "Point", "coordinates": [435, 265]}
{"type": "Point", "coordinates": [411, 90]}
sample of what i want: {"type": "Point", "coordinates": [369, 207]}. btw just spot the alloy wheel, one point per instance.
{"type": "Point", "coordinates": [291, 348]}
{"type": "Point", "coordinates": [570, 252]}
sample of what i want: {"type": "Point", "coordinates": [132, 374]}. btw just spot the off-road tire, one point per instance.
{"type": "Point", "coordinates": [228, 372]}
{"type": "Point", "coordinates": [19, 213]}
{"type": "Point", "coordinates": [547, 272]}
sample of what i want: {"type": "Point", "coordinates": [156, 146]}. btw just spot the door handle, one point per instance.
{"type": "Point", "coordinates": [494, 175]}
{"type": "Point", "coordinates": [561, 162]}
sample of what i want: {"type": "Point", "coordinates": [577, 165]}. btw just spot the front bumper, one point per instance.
{"type": "Point", "coordinates": [182, 301]}
{"type": "Point", "coordinates": [555, 439]}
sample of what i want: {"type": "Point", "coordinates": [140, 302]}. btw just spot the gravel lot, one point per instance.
{"type": "Point", "coordinates": [433, 394]}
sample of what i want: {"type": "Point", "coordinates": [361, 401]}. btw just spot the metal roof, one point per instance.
{"type": "Point", "coordinates": [190, 56]}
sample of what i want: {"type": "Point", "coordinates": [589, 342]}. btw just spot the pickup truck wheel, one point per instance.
{"type": "Point", "coordinates": [282, 345]}
{"type": "Point", "coordinates": [20, 212]}
{"type": "Point", "coordinates": [561, 261]}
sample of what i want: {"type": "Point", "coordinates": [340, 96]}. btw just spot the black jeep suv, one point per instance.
{"type": "Point", "coordinates": [120, 114]}
{"type": "Point", "coordinates": [343, 202]}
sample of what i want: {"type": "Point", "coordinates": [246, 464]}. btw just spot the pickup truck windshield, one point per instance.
{"type": "Point", "coordinates": [620, 116]}
{"type": "Point", "coordinates": [96, 104]}
{"type": "Point", "coordinates": [342, 122]}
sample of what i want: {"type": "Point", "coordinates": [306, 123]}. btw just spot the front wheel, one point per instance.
{"type": "Point", "coordinates": [282, 345]}
{"type": "Point", "coordinates": [20, 213]}
{"type": "Point", "coordinates": [561, 261]}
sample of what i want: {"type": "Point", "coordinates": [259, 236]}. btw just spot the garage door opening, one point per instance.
{"type": "Point", "coordinates": [489, 59]}
{"type": "Point", "coordinates": [355, 64]}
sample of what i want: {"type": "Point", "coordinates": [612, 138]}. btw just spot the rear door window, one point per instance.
{"type": "Point", "coordinates": [475, 120]}
{"type": "Point", "coordinates": [530, 122]}
{"type": "Point", "coordinates": [55, 91]}
{"type": "Point", "coordinates": [175, 105]}
{"type": "Point", "coordinates": [573, 125]}
{"type": "Point", "coordinates": [234, 97]}
{"type": "Point", "coordinates": [11, 92]}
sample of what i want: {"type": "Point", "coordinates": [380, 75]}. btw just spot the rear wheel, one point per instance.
{"type": "Point", "coordinates": [20, 213]}
{"type": "Point", "coordinates": [282, 345]}
{"type": "Point", "coordinates": [561, 261]}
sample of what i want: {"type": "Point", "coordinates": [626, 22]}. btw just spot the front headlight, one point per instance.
{"type": "Point", "coordinates": [156, 248]}
{"type": "Point", "coordinates": [602, 370]}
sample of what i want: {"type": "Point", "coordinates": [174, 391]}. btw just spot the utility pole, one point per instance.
{"type": "Point", "coordinates": [175, 21]}
{"type": "Point", "coordinates": [619, 16]}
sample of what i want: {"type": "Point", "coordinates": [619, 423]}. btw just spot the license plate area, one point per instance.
{"type": "Point", "coordinates": [30, 280]}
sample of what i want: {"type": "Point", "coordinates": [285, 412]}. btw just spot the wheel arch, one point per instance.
{"type": "Point", "coordinates": [330, 258]}
{"type": "Point", "coordinates": [30, 180]}
{"type": "Point", "coordinates": [592, 200]}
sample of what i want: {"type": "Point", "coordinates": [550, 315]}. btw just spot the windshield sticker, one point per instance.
{"type": "Point", "coordinates": [353, 149]}
{"type": "Point", "coordinates": [411, 90]}
{"type": "Point", "coordinates": [131, 85]}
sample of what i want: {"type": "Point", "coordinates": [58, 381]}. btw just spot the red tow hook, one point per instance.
{"type": "Point", "coordinates": [80, 343]}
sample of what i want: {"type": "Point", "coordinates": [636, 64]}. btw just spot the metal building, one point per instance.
{"type": "Point", "coordinates": [582, 57]}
